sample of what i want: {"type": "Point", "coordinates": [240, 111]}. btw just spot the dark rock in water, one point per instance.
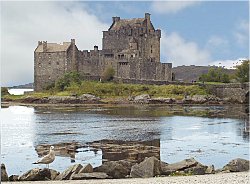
{"type": "Point", "coordinates": [150, 167]}
{"type": "Point", "coordinates": [237, 165]}
{"type": "Point", "coordinates": [37, 174]}
{"type": "Point", "coordinates": [115, 169]}
{"type": "Point", "coordinates": [4, 175]}
{"type": "Point", "coordinates": [86, 169]}
{"type": "Point", "coordinates": [13, 178]}
{"type": "Point", "coordinates": [66, 175]}
{"type": "Point", "coordinates": [94, 175]}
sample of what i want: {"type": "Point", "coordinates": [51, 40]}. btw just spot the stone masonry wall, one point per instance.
{"type": "Point", "coordinates": [48, 67]}
{"type": "Point", "coordinates": [237, 92]}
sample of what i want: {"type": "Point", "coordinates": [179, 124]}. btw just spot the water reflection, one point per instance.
{"type": "Point", "coordinates": [211, 134]}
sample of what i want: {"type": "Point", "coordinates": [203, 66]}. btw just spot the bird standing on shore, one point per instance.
{"type": "Point", "coordinates": [47, 159]}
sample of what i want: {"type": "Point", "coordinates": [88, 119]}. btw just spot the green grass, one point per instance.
{"type": "Point", "coordinates": [114, 90]}
{"type": "Point", "coordinates": [111, 89]}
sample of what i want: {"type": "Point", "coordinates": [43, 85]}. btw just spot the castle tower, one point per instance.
{"type": "Point", "coordinates": [119, 35]}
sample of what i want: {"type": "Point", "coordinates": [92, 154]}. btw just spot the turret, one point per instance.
{"type": "Point", "coordinates": [95, 48]}
{"type": "Point", "coordinates": [115, 19]}
{"type": "Point", "coordinates": [44, 46]}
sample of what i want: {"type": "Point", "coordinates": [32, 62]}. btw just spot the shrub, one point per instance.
{"type": "Point", "coordinates": [68, 79]}
{"type": "Point", "coordinates": [108, 74]}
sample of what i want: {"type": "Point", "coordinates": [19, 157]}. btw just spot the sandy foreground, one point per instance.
{"type": "Point", "coordinates": [225, 178]}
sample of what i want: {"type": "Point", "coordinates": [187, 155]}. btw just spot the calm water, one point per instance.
{"type": "Point", "coordinates": [19, 91]}
{"type": "Point", "coordinates": [212, 135]}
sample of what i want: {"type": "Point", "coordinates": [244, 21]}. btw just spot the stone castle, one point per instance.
{"type": "Point", "coordinates": [130, 46]}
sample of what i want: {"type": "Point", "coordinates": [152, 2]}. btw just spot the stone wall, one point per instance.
{"type": "Point", "coordinates": [236, 92]}
{"type": "Point", "coordinates": [48, 67]}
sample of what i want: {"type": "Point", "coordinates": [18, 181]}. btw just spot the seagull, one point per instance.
{"type": "Point", "coordinates": [47, 159]}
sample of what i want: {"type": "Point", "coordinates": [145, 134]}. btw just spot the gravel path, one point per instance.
{"type": "Point", "coordinates": [225, 178]}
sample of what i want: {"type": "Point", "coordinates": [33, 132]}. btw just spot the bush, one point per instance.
{"type": "Point", "coordinates": [67, 80]}
{"type": "Point", "coordinates": [108, 74]}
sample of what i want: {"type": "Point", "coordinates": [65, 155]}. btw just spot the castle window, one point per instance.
{"type": "Point", "coordinates": [151, 49]}
{"type": "Point", "coordinates": [131, 56]}
{"type": "Point", "coordinates": [57, 63]}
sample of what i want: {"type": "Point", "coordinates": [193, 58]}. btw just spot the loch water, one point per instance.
{"type": "Point", "coordinates": [210, 134]}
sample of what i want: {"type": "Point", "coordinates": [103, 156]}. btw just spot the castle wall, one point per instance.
{"type": "Point", "coordinates": [48, 67]}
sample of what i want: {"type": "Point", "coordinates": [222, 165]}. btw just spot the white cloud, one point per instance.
{"type": "Point", "coordinates": [165, 7]}
{"type": "Point", "coordinates": [25, 23]}
{"type": "Point", "coordinates": [229, 64]}
{"type": "Point", "coordinates": [181, 52]}
{"type": "Point", "coordinates": [242, 32]}
{"type": "Point", "coordinates": [216, 41]}
{"type": "Point", "coordinates": [217, 44]}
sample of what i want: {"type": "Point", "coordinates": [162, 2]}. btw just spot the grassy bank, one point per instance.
{"type": "Point", "coordinates": [115, 90]}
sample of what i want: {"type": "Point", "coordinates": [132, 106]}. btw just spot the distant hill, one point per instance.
{"type": "Point", "coordinates": [23, 86]}
{"type": "Point", "coordinates": [192, 72]}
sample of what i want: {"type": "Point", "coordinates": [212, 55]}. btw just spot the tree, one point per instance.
{"type": "Point", "coordinates": [242, 73]}
{"type": "Point", "coordinates": [215, 75]}
{"type": "Point", "coordinates": [108, 74]}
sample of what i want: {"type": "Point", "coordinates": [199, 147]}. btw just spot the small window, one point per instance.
{"type": "Point", "coordinates": [57, 63]}
{"type": "Point", "coordinates": [131, 56]}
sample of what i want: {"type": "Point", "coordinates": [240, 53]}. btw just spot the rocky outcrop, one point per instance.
{"type": "Point", "coordinates": [161, 100]}
{"type": "Point", "coordinates": [89, 97]}
{"type": "Point", "coordinates": [67, 149]}
{"type": "Point", "coordinates": [190, 166]}
{"type": "Point", "coordinates": [37, 174]}
{"type": "Point", "coordinates": [142, 98]}
{"type": "Point", "coordinates": [4, 175]}
{"type": "Point", "coordinates": [13, 178]}
{"type": "Point", "coordinates": [210, 170]}
{"type": "Point", "coordinates": [150, 167]}
{"type": "Point", "coordinates": [86, 169]}
{"type": "Point", "coordinates": [75, 171]}
{"type": "Point", "coordinates": [201, 99]}
{"type": "Point", "coordinates": [70, 171]}
{"type": "Point", "coordinates": [115, 169]}
{"type": "Point", "coordinates": [85, 176]}
{"type": "Point", "coordinates": [237, 165]}
{"type": "Point", "coordinates": [130, 151]}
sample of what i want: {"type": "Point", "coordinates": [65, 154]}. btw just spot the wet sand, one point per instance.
{"type": "Point", "coordinates": [222, 178]}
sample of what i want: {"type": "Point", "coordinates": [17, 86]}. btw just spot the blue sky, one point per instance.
{"type": "Point", "coordinates": [193, 32]}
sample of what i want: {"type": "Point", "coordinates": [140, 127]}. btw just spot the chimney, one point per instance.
{"type": "Point", "coordinates": [44, 46]}
{"type": "Point", "coordinates": [147, 16]}
{"type": "Point", "coordinates": [116, 19]}
{"type": "Point", "coordinates": [73, 41]}
{"type": "Point", "coordinates": [95, 48]}
{"type": "Point", "coordinates": [40, 43]}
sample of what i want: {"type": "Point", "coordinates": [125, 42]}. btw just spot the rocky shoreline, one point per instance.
{"type": "Point", "coordinates": [140, 99]}
{"type": "Point", "coordinates": [149, 167]}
